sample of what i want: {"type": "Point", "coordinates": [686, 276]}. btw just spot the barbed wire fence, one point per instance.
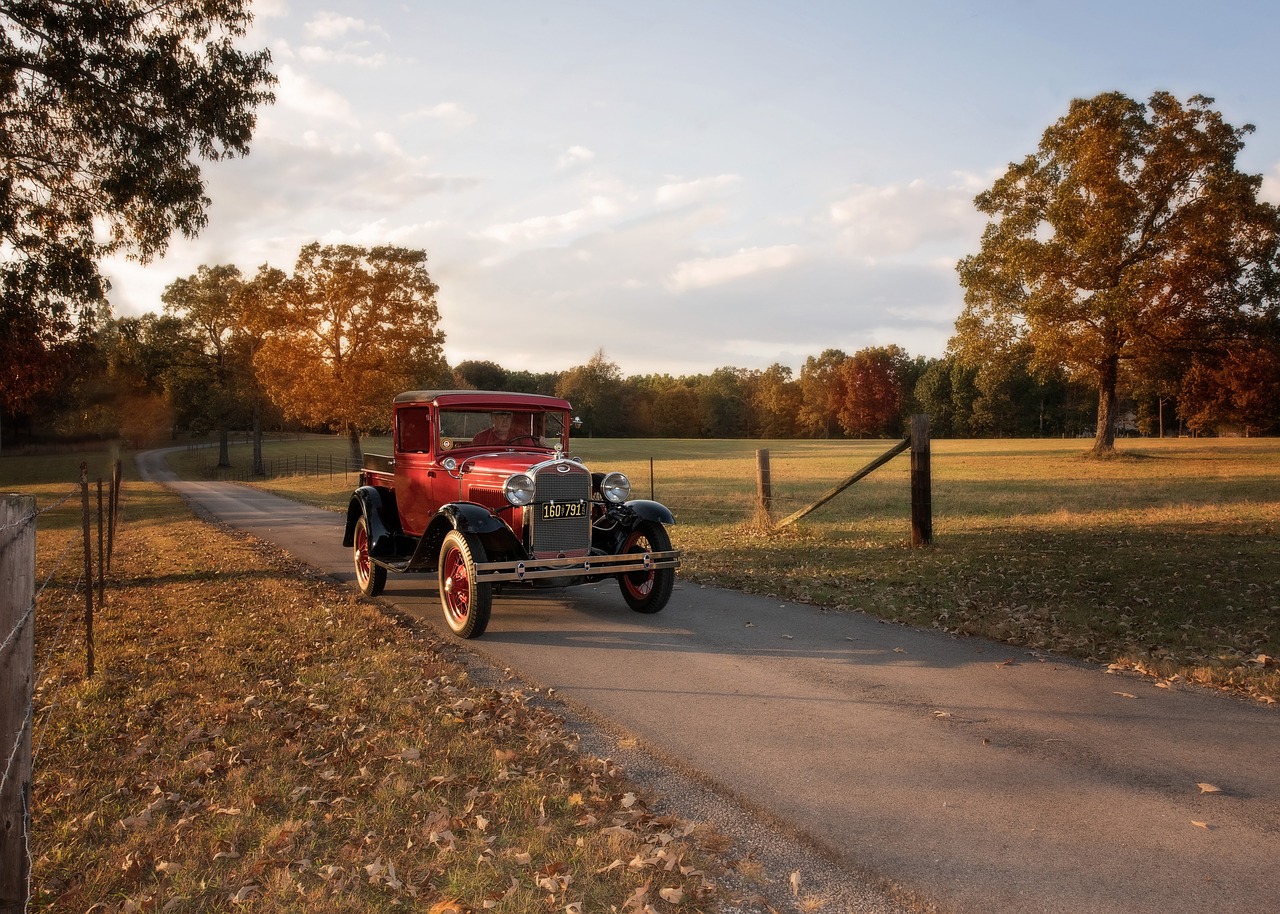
{"type": "Point", "coordinates": [20, 602]}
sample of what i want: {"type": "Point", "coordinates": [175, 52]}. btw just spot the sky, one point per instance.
{"type": "Point", "coordinates": [686, 185]}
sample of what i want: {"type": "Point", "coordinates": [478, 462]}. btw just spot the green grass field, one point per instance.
{"type": "Point", "coordinates": [1163, 560]}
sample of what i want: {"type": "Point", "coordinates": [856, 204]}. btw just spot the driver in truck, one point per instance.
{"type": "Point", "coordinates": [498, 433]}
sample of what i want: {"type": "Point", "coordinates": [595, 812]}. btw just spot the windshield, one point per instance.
{"type": "Point", "coordinates": [501, 427]}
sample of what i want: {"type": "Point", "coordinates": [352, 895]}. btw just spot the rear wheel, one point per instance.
{"type": "Point", "coordinates": [647, 591]}
{"type": "Point", "coordinates": [370, 578]}
{"type": "Point", "coordinates": [466, 604]}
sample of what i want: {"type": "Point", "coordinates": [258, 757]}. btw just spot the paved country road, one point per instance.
{"type": "Point", "coordinates": [974, 776]}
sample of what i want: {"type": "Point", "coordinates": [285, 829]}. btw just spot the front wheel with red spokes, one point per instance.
{"type": "Point", "coordinates": [647, 591]}
{"type": "Point", "coordinates": [466, 603]}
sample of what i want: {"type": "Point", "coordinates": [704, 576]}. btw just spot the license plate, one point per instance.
{"type": "Point", "coordinates": [557, 511]}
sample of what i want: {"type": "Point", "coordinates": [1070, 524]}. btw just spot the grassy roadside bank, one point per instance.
{"type": "Point", "coordinates": [257, 738]}
{"type": "Point", "coordinates": [1161, 561]}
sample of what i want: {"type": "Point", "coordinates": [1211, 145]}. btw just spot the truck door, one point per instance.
{"type": "Point", "coordinates": [416, 468]}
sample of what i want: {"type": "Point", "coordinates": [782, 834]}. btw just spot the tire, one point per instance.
{"type": "Point", "coordinates": [647, 591]}
{"type": "Point", "coordinates": [465, 603]}
{"type": "Point", "coordinates": [370, 578]}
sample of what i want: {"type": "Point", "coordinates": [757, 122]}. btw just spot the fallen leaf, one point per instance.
{"type": "Point", "coordinates": [675, 895]}
{"type": "Point", "coordinates": [1209, 788]}
{"type": "Point", "coordinates": [1125, 694]}
{"type": "Point", "coordinates": [795, 883]}
{"type": "Point", "coordinates": [1205, 825]}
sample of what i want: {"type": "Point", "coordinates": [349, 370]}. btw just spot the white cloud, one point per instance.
{"type": "Point", "coordinates": [713, 271]}
{"type": "Point", "coordinates": [539, 227]}
{"type": "Point", "coordinates": [270, 9]}
{"type": "Point", "coordinates": [315, 54]}
{"type": "Point", "coordinates": [297, 93]}
{"type": "Point", "coordinates": [680, 193]}
{"type": "Point", "coordinates": [576, 155]}
{"type": "Point", "coordinates": [901, 218]}
{"type": "Point", "coordinates": [446, 112]}
{"type": "Point", "coordinates": [328, 26]}
{"type": "Point", "coordinates": [1270, 190]}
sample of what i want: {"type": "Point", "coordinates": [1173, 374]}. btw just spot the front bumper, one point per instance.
{"type": "Point", "coordinates": [591, 567]}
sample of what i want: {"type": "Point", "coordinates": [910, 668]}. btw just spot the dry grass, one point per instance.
{"type": "Point", "coordinates": [258, 738]}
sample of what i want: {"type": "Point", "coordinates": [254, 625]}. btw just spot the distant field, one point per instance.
{"type": "Point", "coordinates": [1163, 559]}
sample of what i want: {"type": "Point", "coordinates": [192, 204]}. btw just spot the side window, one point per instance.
{"type": "Point", "coordinates": [415, 430]}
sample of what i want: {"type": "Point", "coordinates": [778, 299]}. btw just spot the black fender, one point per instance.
{"type": "Point", "coordinates": [633, 512]}
{"type": "Point", "coordinates": [468, 517]}
{"type": "Point", "coordinates": [370, 503]}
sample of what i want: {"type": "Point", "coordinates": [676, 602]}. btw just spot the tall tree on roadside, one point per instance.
{"type": "Point", "coordinates": [218, 356]}
{"type": "Point", "coordinates": [105, 110]}
{"type": "Point", "coordinates": [1128, 234]}
{"type": "Point", "coordinates": [350, 329]}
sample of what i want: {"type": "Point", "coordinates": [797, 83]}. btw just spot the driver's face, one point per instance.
{"type": "Point", "coordinates": [502, 422]}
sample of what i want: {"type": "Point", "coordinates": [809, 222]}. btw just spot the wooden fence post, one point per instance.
{"type": "Point", "coordinates": [17, 661]}
{"type": "Point", "coordinates": [921, 483]}
{"type": "Point", "coordinates": [88, 572]}
{"type": "Point", "coordinates": [102, 546]}
{"type": "Point", "coordinates": [764, 484]}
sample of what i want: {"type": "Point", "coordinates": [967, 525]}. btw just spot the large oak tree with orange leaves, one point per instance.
{"type": "Point", "coordinates": [347, 331]}
{"type": "Point", "coordinates": [1127, 240]}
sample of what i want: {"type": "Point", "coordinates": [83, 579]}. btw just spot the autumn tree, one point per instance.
{"type": "Point", "coordinates": [140, 354]}
{"type": "Point", "coordinates": [819, 393]}
{"type": "Point", "coordinates": [775, 400]}
{"type": "Point", "coordinates": [1241, 389]}
{"type": "Point", "coordinates": [595, 391]}
{"type": "Point", "coordinates": [1128, 234]}
{"type": "Point", "coordinates": [105, 111]}
{"type": "Point", "coordinates": [479, 375]}
{"type": "Point", "coordinates": [347, 331]}
{"type": "Point", "coordinates": [871, 385]}
{"type": "Point", "coordinates": [217, 357]}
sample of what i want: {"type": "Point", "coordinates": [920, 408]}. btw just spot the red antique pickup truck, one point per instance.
{"type": "Point", "coordinates": [481, 491]}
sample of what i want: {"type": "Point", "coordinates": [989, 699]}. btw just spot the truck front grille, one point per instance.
{"type": "Point", "coordinates": [551, 536]}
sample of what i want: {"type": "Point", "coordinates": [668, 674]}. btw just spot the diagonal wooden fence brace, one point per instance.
{"type": "Point", "coordinates": [845, 483]}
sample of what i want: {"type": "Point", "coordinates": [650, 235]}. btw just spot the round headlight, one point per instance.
{"type": "Point", "coordinates": [518, 489]}
{"type": "Point", "coordinates": [615, 488]}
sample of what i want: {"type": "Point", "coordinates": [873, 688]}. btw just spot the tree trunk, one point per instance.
{"type": "Point", "coordinates": [258, 468]}
{"type": "Point", "coordinates": [353, 435]}
{"type": "Point", "coordinates": [1104, 441]}
{"type": "Point", "coordinates": [224, 450]}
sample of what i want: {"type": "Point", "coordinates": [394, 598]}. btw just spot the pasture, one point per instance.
{"type": "Point", "coordinates": [1161, 560]}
